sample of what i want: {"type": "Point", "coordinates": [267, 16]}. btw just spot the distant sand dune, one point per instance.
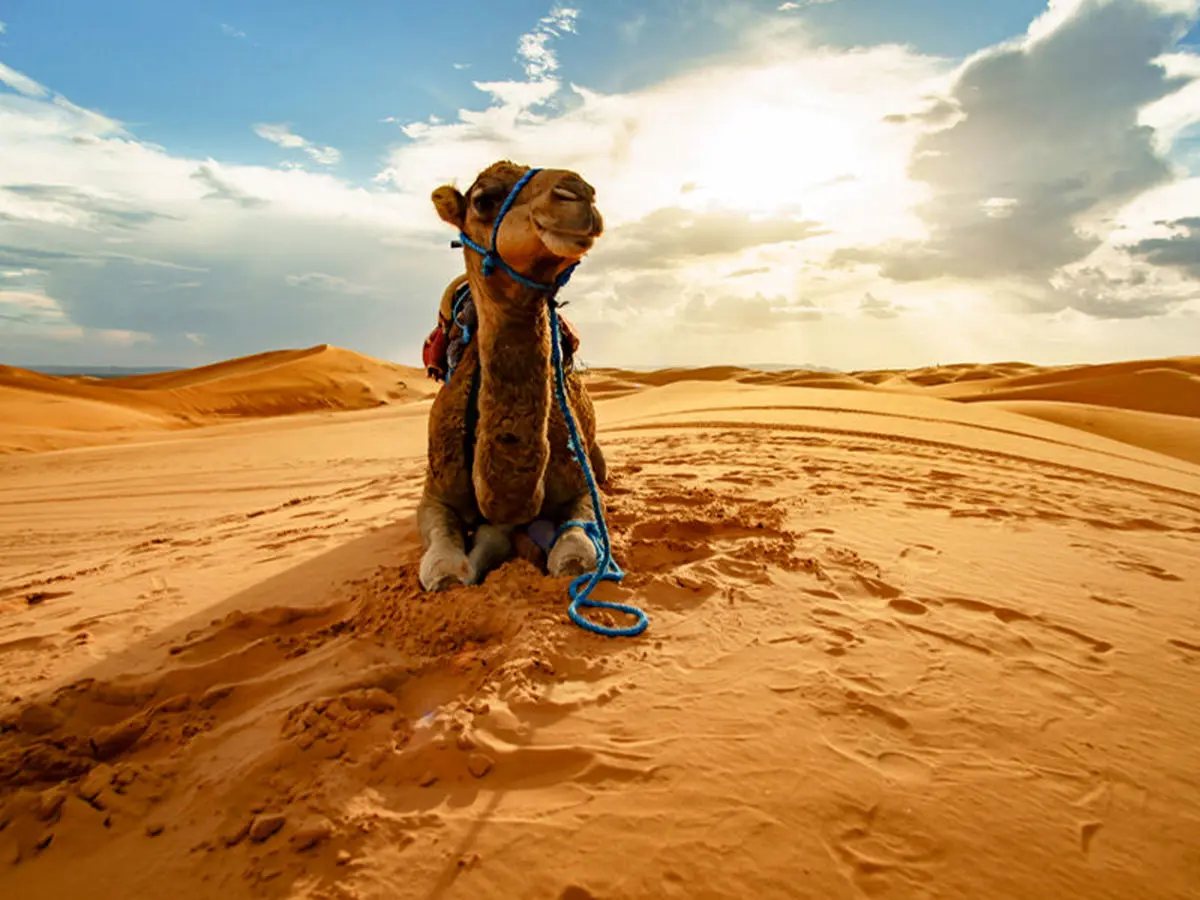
{"type": "Point", "coordinates": [1171, 435]}
{"type": "Point", "coordinates": [45, 412]}
{"type": "Point", "coordinates": [1157, 390]}
{"type": "Point", "coordinates": [1149, 404]}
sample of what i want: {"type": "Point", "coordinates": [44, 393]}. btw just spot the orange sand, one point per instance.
{"type": "Point", "coordinates": [929, 634]}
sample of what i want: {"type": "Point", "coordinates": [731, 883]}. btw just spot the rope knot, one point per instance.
{"type": "Point", "coordinates": [489, 265]}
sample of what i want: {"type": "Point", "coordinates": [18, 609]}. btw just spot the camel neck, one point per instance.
{"type": "Point", "coordinates": [512, 451]}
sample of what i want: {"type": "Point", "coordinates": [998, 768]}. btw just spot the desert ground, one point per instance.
{"type": "Point", "coordinates": [926, 633]}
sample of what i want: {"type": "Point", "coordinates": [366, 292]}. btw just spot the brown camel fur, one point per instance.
{"type": "Point", "coordinates": [520, 467]}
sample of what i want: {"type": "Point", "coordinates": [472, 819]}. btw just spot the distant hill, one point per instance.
{"type": "Point", "coordinates": [97, 371]}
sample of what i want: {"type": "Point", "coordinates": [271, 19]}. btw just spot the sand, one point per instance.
{"type": "Point", "coordinates": [923, 634]}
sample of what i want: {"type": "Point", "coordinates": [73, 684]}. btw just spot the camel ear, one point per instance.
{"type": "Point", "coordinates": [451, 206]}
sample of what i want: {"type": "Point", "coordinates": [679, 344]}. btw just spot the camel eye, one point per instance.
{"type": "Point", "coordinates": [487, 201]}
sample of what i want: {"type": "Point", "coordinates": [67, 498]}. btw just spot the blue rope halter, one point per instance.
{"type": "Point", "coordinates": [491, 258]}
{"type": "Point", "coordinates": [606, 567]}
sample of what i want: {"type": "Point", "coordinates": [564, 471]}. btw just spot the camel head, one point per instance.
{"type": "Point", "coordinates": [551, 223]}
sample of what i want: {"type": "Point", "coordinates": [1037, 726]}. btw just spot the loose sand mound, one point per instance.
{"type": "Point", "coordinates": [899, 647]}
{"type": "Point", "coordinates": [47, 412]}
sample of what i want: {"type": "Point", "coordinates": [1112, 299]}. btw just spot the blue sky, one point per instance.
{"type": "Point", "coordinates": [880, 182]}
{"type": "Point", "coordinates": [192, 76]}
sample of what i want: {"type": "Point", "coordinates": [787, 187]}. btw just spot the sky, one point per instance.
{"type": "Point", "coordinates": [844, 183]}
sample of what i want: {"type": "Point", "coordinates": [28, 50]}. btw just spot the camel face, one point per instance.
{"type": "Point", "coordinates": [551, 223]}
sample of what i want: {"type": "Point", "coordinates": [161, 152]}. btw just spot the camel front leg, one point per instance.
{"type": "Point", "coordinates": [493, 545]}
{"type": "Point", "coordinates": [599, 463]}
{"type": "Point", "coordinates": [574, 553]}
{"type": "Point", "coordinates": [444, 563]}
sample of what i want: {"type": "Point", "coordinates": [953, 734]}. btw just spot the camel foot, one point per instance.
{"type": "Point", "coordinates": [493, 545]}
{"type": "Point", "coordinates": [572, 554]}
{"type": "Point", "coordinates": [443, 568]}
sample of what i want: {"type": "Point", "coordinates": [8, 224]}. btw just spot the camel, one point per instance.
{"type": "Point", "coordinates": [498, 455]}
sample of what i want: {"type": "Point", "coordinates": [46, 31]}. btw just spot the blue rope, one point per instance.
{"type": "Point", "coordinates": [460, 297]}
{"type": "Point", "coordinates": [491, 258]}
{"type": "Point", "coordinates": [607, 569]}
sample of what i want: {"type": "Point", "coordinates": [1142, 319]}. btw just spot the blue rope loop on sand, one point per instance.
{"type": "Point", "coordinates": [607, 569]}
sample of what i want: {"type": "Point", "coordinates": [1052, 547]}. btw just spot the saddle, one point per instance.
{"type": "Point", "coordinates": [456, 327]}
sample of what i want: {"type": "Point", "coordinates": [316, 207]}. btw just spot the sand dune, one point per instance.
{"type": "Point", "coordinates": [927, 634]}
{"type": "Point", "coordinates": [1157, 390]}
{"type": "Point", "coordinates": [1172, 435]}
{"type": "Point", "coordinates": [43, 412]}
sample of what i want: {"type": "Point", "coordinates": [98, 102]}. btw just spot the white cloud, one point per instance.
{"type": "Point", "coordinates": [328, 284]}
{"type": "Point", "coordinates": [727, 193]}
{"type": "Point", "coordinates": [20, 82]}
{"type": "Point", "coordinates": [122, 337]}
{"type": "Point", "coordinates": [284, 137]}
{"type": "Point", "coordinates": [116, 240]}
{"type": "Point", "coordinates": [791, 5]}
{"type": "Point", "coordinates": [461, 66]}
{"type": "Point", "coordinates": [31, 308]}
{"type": "Point", "coordinates": [232, 32]}
{"type": "Point", "coordinates": [533, 48]}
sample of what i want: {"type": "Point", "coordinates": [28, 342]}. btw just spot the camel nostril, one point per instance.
{"type": "Point", "coordinates": [563, 194]}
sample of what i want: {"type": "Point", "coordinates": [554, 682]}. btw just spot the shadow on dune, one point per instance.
{"type": "Point", "coordinates": [272, 737]}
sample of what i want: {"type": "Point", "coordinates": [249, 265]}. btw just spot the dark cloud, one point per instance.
{"type": "Point", "coordinates": [872, 306]}
{"type": "Point", "coordinates": [757, 313]}
{"type": "Point", "coordinates": [102, 210]}
{"type": "Point", "coordinates": [672, 237]}
{"type": "Point", "coordinates": [1100, 295]}
{"type": "Point", "coordinates": [938, 112]}
{"type": "Point", "coordinates": [1181, 251]}
{"type": "Point", "coordinates": [223, 190]}
{"type": "Point", "coordinates": [240, 298]}
{"type": "Point", "coordinates": [1048, 131]}
{"type": "Point", "coordinates": [22, 257]}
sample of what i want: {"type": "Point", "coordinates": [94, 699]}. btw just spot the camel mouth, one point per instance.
{"type": "Point", "coordinates": [563, 243]}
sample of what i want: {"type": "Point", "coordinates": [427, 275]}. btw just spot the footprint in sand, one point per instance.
{"type": "Point", "coordinates": [908, 607]}
{"type": "Point", "coordinates": [894, 765]}
{"type": "Point", "coordinates": [1111, 601]}
{"type": "Point", "coordinates": [920, 557]}
{"type": "Point", "coordinates": [1044, 637]}
{"type": "Point", "coordinates": [883, 851]}
{"type": "Point", "coordinates": [838, 640]}
{"type": "Point", "coordinates": [1189, 650]}
{"type": "Point", "coordinates": [1146, 568]}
